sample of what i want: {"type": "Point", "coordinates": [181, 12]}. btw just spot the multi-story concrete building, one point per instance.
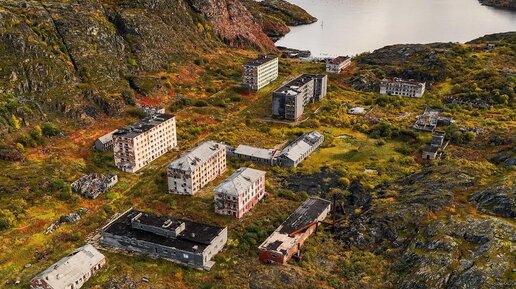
{"type": "Point", "coordinates": [189, 243]}
{"type": "Point", "coordinates": [336, 65]}
{"type": "Point", "coordinates": [192, 171]}
{"type": "Point", "coordinates": [261, 71]}
{"type": "Point", "coordinates": [289, 237]}
{"type": "Point", "coordinates": [240, 192]}
{"type": "Point", "coordinates": [288, 101]}
{"type": "Point", "coordinates": [300, 149]}
{"type": "Point", "coordinates": [398, 86]}
{"type": "Point", "coordinates": [72, 271]}
{"type": "Point", "coordinates": [137, 145]}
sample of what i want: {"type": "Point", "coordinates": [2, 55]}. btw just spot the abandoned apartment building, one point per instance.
{"type": "Point", "coordinates": [189, 243]}
{"type": "Point", "coordinates": [337, 64]}
{"type": "Point", "coordinates": [398, 86]}
{"type": "Point", "coordinates": [72, 271]}
{"type": "Point", "coordinates": [436, 147]}
{"type": "Point", "coordinates": [195, 169]}
{"type": "Point", "coordinates": [287, 240]}
{"type": "Point", "coordinates": [430, 119]}
{"type": "Point", "coordinates": [254, 154]}
{"type": "Point", "coordinates": [92, 185]}
{"type": "Point", "coordinates": [289, 101]}
{"type": "Point", "coordinates": [297, 151]}
{"type": "Point", "coordinates": [261, 71]}
{"type": "Point", "coordinates": [137, 145]}
{"type": "Point", "coordinates": [240, 192]}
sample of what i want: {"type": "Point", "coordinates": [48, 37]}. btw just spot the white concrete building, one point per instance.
{"type": "Point", "coordinates": [336, 65]}
{"type": "Point", "coordinates": [398, 86]}
{"type": "Point", "coordinates": [137, 145]}
{"type": "Point", "coordinates": [192, 171]}
{"type": "Point", "coordinates": [261, 71]}
{"type": "Point", "coordinates": [240, 192]}
{"type": "Point", "coordinates": [72, 271]}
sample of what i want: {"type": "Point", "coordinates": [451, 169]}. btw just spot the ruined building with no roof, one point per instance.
{"type": "Point", "coordinates": [195, 169]}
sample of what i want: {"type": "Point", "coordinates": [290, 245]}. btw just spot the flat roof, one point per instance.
{"type": "Point", "coordinates": [142, 126]}
{"type": "Point", "coordinates": [295, 84]}
{"type": "Point", "coordinates": [431, 149]}
{"type": "Point", "coordinates": [402, 81]}
{"type": "Point", "coordinates": [240, 181]}
{"type": "Point", "coordinates": [261, 60]}
{"type": "Point", "coordinates": [194, 234]}
{"type": "Point", "coordinates": [72, 267]}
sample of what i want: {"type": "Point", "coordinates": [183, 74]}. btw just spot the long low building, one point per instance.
{"type": "Point", "coordinates": [337, 64]}
{"type": "Point", "coordinates": [189, 243]}
{"type": "Point", "coordinates": [300, 149]}
{"type": "Point", "coordinates": [195, 169]}
{"type": "Point", "coordinates": [71, 271]}
{"type": "Point", "coordinates": [289, 237]}
{"type": "Point", "coordinates": [240, 192]}
{"type": "Point", "coordinates": [254, 154]}
{"type": "Point", "coordinates": [398, 86]}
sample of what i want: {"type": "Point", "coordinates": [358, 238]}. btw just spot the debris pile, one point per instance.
{"type": "Point", "coordinates": [92, 185]}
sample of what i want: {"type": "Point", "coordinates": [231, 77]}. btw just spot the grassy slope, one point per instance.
{"type": "Point", "coordinates": [326, 265]}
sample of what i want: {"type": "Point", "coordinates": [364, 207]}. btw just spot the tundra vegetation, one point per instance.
{"type": "Point", "coordinates": [407, 223]}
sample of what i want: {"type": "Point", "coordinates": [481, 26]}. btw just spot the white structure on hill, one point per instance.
{"type": "Point", "coordinates": [192, 171]}
{"type": "Point", "coordinates": [398, 86]}
{"type": "Point", "coordinates": [240, 192]}
{"type": "Point", "coordinates": [300, 149]}
{"type": "Point", "coordinates": [137, 145]}
{"type": "Point", "coordinates": [261, 71]}
{"type": "Point", "coordinates": [72, 271]}
{"type": "Point", "coordinates": [336, 65]}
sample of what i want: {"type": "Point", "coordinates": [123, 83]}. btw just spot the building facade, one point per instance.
{"type": "Point", "coordinates": [261, 71]}
{"type": "Point", "coordinates": [72, 271]}
{"type": "Point", "coordinates": [288, 101]}
{"type": "Point", "coordinates": [240, 192]}
{"type": "Point", "coordinates": [398, 86]}
{"type": "Point", "coordinates": [137, 145]}
{"type": "Point", "coordinates": [189, 243]}
{"type": "Point", "coordinates": [286, 241]}
{"type": "Point", "coordinates": [336, 65]}
{"type": "Point", "coordinates": [192, 171]}
{"type": "Point", "coordinates": [300, 149]}
{"type": "Point", "coordinates": [254, 154]}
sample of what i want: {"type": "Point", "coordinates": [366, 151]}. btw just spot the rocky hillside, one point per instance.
{"type": "Point", "coordinates": [79, 58]}
{"type": "Point", "coordinates": [506, 4]}
{"type": "Point", "coordinates": [275, 16]}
